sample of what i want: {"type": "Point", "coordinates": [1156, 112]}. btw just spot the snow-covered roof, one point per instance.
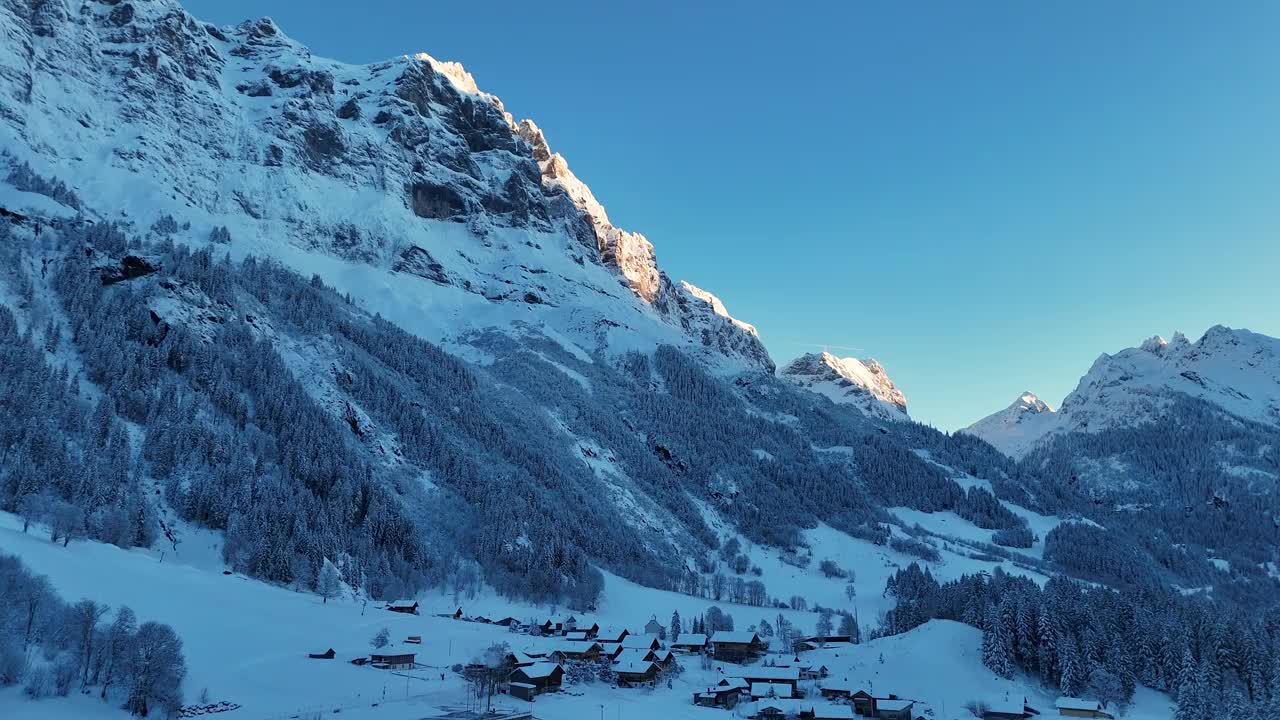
{"type": "Point", "coordinates": [734, 683]}
{"type": "Point", "coordinates": [1006, 707]}
{"type": "Point", "coordinates": [893, 705]}
{"type": "Point", "coordinates": [637, 667]}
{"type": "Point", "coordinates": [575, 646]}
{"type": "Point", "coordinates": [641, 641]}
{"type": "Point", "coordinates": [730, 636]}
{"type": "Point", "coordinates": [844, 684]}
{"type": "Point", "coordinates": [611, 633]}
{"type": "Point", "coordinates": [691, 639]}
{"type": "Point", "coordinates": [771, 673]}
{"type": "Point", "coordinates": [538, 670]}
{"type": "Point", "coordinates": [402, 603]}
{"type": "Point", "coordinates": [832, 711]}
{"type": "Point", "coordinates": [788, 706]}
{"type": "Point", "coordinates": [764, 689]}
{"type": "Point", "coordinates": [632, 655]}
{"type": "Point", "coordinates": [1070, 703]}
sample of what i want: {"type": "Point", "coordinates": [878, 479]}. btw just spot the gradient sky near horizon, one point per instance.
{"type": "Point", "coordinates": [984, 196]}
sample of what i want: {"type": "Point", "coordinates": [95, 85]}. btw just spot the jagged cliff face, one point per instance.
{"type": "Point", "coordinates": [863, 384]}
{"type": "Point", "coordinates": [401, 182]}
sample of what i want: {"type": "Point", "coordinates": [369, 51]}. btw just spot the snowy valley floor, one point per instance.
{"type": "Point", "coordinates": [246, 642]}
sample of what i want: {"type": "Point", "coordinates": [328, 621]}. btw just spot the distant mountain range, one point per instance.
{"type": "Point", "coordinates": [1235, 370]}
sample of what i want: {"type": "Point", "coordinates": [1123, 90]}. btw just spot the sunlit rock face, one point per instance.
{"type": "Point", "coordinates": [152, 112]}
{"type": "Point", "coordinates": [861, 383]}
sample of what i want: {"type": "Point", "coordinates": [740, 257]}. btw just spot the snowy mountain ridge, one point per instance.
{"type": "Point", "coordinates": [863, 384]}
{"type": "Point", "coordinates": [1234, 369]}
{"type": "Point", "coordinates": [401, 180]}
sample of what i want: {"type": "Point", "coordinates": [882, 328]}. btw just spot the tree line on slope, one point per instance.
{"type": "Point", "coordinates": [1092, 641]}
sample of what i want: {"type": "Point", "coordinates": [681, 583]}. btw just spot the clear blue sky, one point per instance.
{"type": "Point", "coordinates": [982, 195]}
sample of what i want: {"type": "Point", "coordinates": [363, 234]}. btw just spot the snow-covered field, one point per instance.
{"type": "Point", "coordinates": [246, 642]}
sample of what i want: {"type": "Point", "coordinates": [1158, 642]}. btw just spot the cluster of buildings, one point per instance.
{"type": "Point", "coordinates": [635, 659]}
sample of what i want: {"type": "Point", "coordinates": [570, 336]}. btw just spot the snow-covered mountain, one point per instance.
{"type": "Point", "coordinates": [863, 384]}
{"type": "Point", "coordinates": [1017, 428]}
{"type": "Point", "coordinates": [401, 182]}
{"type": "Point", "coordinates": [1235, 370]}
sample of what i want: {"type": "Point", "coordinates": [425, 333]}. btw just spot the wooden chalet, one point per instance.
{"type": "Point", "coordinates": [409, 607]}
{"type": "Point", "coordinates": [718, 697]}
{"type": "Point", "coordinates": [577, 635]}
{"type": "Point", "coordinates": [690, 643]}
{"type": "Point", "coordinates": [664, 658]}
{"type": "Point", "coordinates": [1081, 708]}
{"type": "Point", "coordinates": [518, 659]}
{"type": "Point", "coordinates": [636, 672]}
{"type": "Point", "coordinates": [571, 650]}
{"type": "Point", "coordinates": [763, 674]}
{"type": "Point", "coordinates": [529, 681]}
{"type": "Point", "coordinates": [392, 659]}
{"type": "Point", "coordinates": [326, 655]}
{"type": "Point", "coordinates": [558, 624]}
{"type": "Point", "coordinates": [863, 703]}
{"type": "Point", "coordinates": [734, 683]}
{"type": "Point", "coordinates": [739, 646]}
{"type": "Point", "coordinates": [810, 671]}
{"type": "Point", "coordinates": [893, 709]}
{"type": "Point", "coordinates": [820, 641]}
{"type": "Point", "coordinates": [508, 622]}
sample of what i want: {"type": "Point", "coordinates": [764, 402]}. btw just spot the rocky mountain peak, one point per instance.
{"type": "Point", "coordinates": [851, 381]}
{"type": "Point", "coordinates": [1015, 430]}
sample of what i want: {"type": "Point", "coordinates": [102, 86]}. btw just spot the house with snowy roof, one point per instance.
{"type": "Point", "coordinates": [690, 643]}
{"type": "Point", "coordinates": [611, 634]}
{"type": "Point", "coordinates": [739, 646]}
{"type": "Point", "coordinates": [1081, 708]}
{"type": "Point", "coordinates": [530, 681]}
{"type": "Point", "coordinates": [641, 642]}
{"type": "Point", "coordinates": [560, 624]}
{"type": "Point", "coordinates": [893, 708]}
{"type": "Point", "coordinates": [718, 696]}
{"type": "Point", "coordinates": [764, 674]}
{"type": "Point", "coordinates": [409, 607]}
{"type": "Point", "coordinates": [636, 672]}
{"type": "Point", "coordinates": [575, 650]}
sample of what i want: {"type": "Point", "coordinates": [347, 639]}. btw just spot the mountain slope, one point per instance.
{"type": "Point", "coordinates": [862, 384]}
{"type": "Point", "coordinates": [402, 181]}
